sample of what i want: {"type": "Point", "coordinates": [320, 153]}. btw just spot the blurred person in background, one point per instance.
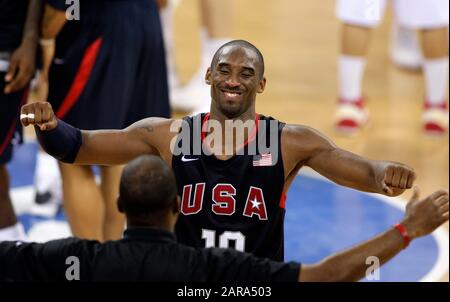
{"type": "Point", "coordinates": [404, 48]}
{"type": "Point", "coordinates": [19, 36]}
{"type": "Point", "coordinates": [358, 18]}
{"type": "Point", "coordinates": [215, 30]}
{"type": "Point", "coordinates": [108, 71]}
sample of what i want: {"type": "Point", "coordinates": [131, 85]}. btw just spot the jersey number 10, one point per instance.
{"type": "Point", "coordinates": [224, 239]}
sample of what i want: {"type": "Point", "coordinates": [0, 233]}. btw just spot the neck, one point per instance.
{"type": "Point", "coordinates": [232, 138]}
{"type": "Point", "coordinates": [141, 223]}
{"type": "Point", "coordinates": [249, 114]}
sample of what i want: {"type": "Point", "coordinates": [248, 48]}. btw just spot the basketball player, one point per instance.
{"type": "Point", "coordinates": [19, 36]}
{"type": "Point", "coordinates": [235, 197]}
{"type": "Point", "coordinates": [149, 251]}
{"type": "Point", "coordinates": [359, 17]}
{"type": "Point", "coordinates": [106, 73]}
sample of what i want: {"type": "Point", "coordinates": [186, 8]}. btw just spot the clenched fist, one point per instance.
{"type": "Point", "coordinates": [394, 178]}
{"type": "Point", "coordinates": [40, 114]}
{"type": "Point", "coordinates": [424, 216]}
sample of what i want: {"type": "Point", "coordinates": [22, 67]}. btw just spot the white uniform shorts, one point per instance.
{"type": "Point", "coordinates": [408, 13]}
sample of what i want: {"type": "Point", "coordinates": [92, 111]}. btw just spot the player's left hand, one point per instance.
{"type": "Point", "coordinates": [394, 178]}
{"type": "Point", "coordinates": [423, 216]}
{"type": "Point", "coordinates": [21, 67]}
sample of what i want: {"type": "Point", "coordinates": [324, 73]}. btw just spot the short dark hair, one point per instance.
{"type": "Point", "coordinates": [147, 186]}
{"type": "Point", "coordinates": [244, 44]}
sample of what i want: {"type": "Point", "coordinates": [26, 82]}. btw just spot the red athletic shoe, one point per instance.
{"type": "Point", "coordinates": [435, 119]}
{"type": "Point", "coordinates": [351, 116]}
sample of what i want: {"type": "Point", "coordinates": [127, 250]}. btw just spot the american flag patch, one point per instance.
{"type": "Point", "coordinates": [262, 160]}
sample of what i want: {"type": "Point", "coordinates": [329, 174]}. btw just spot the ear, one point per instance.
{"type": "Point", "coordinates": [208, 76]}
{"type": "Point", "coordinates": [176, 205]}
{"type": "Point", "coordinates": [120, 205]}
{"type": "Point", "coordinates": [261, 85]}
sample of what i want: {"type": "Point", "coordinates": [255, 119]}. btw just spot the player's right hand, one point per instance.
{"type": "Point", "coordinates": [40, 114]}
{"type": "Point", "coordinates": [21, 67]}
{"type": "Point", "coordinates": [424, 216]}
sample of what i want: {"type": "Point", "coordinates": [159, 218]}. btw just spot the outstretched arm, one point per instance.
{"type": "Point", "coordinates": [43, 262]}
{"type": "Point", "coordinates": [309, 147]}
{"type": "Point", "coordinates": [421, 218]}
{"type": "Point", "coordinates": [113, 147]}
{"type": "Point", "coordinates": [104, 147]}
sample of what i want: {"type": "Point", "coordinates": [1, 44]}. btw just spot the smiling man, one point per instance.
{"type": "Point", "coordinates": [228, 199]}
{"type": "Point", "coordinates": [235, 94]}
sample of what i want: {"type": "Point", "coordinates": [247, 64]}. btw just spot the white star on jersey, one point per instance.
{"type": "Point", "coordinates": [255, 203]}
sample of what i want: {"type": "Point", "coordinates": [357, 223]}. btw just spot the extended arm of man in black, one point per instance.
{"type": "Point", "coordinates": [22, 261]}
{"type": "Point", "coordinates": [421, 218]}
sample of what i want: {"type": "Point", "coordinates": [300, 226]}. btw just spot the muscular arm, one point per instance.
{"type": "Point", "coordinates": [350, 265]}
{"type": "Point", "coordinates": [102, 147]}
{"type": "Point", "coordinates": [111, 147]}
{"type": "Point", "coordinates": [421, 218]}
{"type": "Point", "coordinates": [306, 146]}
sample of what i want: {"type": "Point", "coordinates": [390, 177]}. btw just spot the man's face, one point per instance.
{"type": "Point", "coordinates": [235, 78]}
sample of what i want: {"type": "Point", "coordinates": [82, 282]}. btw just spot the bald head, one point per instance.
{"type": "Point", "coordinates": [242, 44]}
{"type": "Point", "coordinates": [147, 186]}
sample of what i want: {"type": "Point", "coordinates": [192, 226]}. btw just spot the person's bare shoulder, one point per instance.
{"type": "Point", "coordinates": [299, 142]}
{"type": "Point", "coordinates": [157, 132]}
{"type": "Point", "coordinates": [301, 135]}
{"type": "Point", "coordinates": [153, 124]}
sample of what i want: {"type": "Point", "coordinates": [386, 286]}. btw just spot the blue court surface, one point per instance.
{"type": "Point", "coordinates": [321, 218]}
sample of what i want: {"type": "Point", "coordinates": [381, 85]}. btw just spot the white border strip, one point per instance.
{"type": "Point", "coordinates": [441, 266]}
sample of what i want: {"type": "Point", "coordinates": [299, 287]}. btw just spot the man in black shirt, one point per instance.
{"type": "Point", "coordinates": [149, 251]}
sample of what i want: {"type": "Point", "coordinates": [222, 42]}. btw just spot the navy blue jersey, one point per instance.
{"type": "Point", "coordinates": [109, 67]}
{"type": "Point", "coordinates": [238, 202]}
{"type": "Point", "coordinates": [13, 14]}
{"type": "Point", "coordinates": [10, 126]}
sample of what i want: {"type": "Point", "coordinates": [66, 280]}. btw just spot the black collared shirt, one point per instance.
{"type": "Point", "coordinates": [144, 254]}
